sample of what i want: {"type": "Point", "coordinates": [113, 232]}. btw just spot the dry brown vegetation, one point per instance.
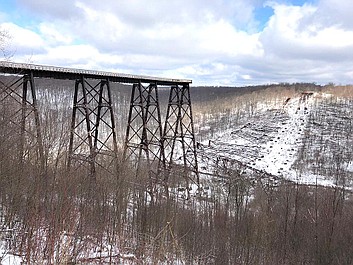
{"type": "Point", "coordinates": [55, 216]}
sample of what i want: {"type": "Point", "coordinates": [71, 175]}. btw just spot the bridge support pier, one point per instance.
{"type": "Point", "coordinates": [179, 135]}
{"type": "Point", "coordinates": [20, 108]}
{"type": "Point", "coordinates": [143, 142]}
{"type": "Point", "coordinates": [173, 148]}
{"type": "Point", "coordinates": [93, 142]}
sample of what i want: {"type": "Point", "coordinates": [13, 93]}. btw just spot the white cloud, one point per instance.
{"type": "Point", "coordinates": [53, 35]}
{"type": "Point", "coordinates": [222, 38]}
{"type": "Point", "coordinates": [291, 34]}
{"type": "Point", "coordinates": [210, 41]}
{"type": "Point", "coordinates": [335, 12]}
{"type": "Point", "coordinates": [77, 55]}
{"type": "Point", "coordinates": [301, 47]}
{"type": "Point", "coordinates": [23, 41]}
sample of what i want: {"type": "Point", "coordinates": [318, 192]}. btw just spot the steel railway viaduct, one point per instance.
{"type": "Point", "coordinates": [93, 141]}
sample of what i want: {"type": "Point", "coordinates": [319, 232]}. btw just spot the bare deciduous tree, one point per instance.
{"type": "Point", "coordinates": [5, 43]}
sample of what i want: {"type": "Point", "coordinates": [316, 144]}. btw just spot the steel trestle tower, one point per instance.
{"type": "Point", "coordinates": [19, 102]}
{"type": "Point", "coordinates": [179, 136]}
{"type": "Point", "coordinates": [93, 141]}
{"type": "Point", "coordinates": [92, 136]}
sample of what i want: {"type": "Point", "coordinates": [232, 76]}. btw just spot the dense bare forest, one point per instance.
{"type": "Point", "coordinates": [242, 215]}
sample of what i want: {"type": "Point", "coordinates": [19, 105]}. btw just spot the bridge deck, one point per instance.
{"type": "Point", "coordinates": [72, 73]}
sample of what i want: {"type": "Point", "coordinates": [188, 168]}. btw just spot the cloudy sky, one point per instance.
{"type": "Point", "coordinates": [214, 42]}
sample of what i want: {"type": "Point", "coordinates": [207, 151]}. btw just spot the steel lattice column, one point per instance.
{"type": "Point", "coordinates": [179, 136]}
{"type": "Point", "coordinates": [143, 143]}
{"type": "Point", "coordinates": [93, 142]}
{"type": "Point", "coordinates": [20, 114]}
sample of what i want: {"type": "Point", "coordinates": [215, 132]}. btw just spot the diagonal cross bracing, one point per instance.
{"type": "Point", "coordinates": [20, 114]}
{"type": "Point", "coordinates": [93, 142]}
{"type": "Point", "coordinates": [143, 142]}
{"type": "Point", "coordinates": [93, 137]}
{"type": "Point", "coordinates": [179, 136]}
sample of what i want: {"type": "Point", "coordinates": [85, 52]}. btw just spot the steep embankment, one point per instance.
{"type": "Point", "coordinates": [305, 139]}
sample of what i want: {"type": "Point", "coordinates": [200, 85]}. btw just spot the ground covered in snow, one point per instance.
{"type": "Point", "coordinates": [305, 139]}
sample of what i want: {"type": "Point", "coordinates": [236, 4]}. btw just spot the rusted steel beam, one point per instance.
{"type": "Point", "coordinates": [93, 142]}
{"type": "Point", "coordinates": [74, 74]}
{"type": "Point", "coordinates": [19, 102]}
{"type": "Point", "coordinates": [179, 136]}
{"type": "Point", "coordinates": [143, 142]}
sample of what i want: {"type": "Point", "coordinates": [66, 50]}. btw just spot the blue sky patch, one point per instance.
{"type": "Point", "coordinates": [262, 15]}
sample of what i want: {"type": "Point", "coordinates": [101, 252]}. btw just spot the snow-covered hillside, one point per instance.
{"type": "Point", "coordinates": [289, 140]}
{"type": "Point", "coordinates": [253, 145]}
